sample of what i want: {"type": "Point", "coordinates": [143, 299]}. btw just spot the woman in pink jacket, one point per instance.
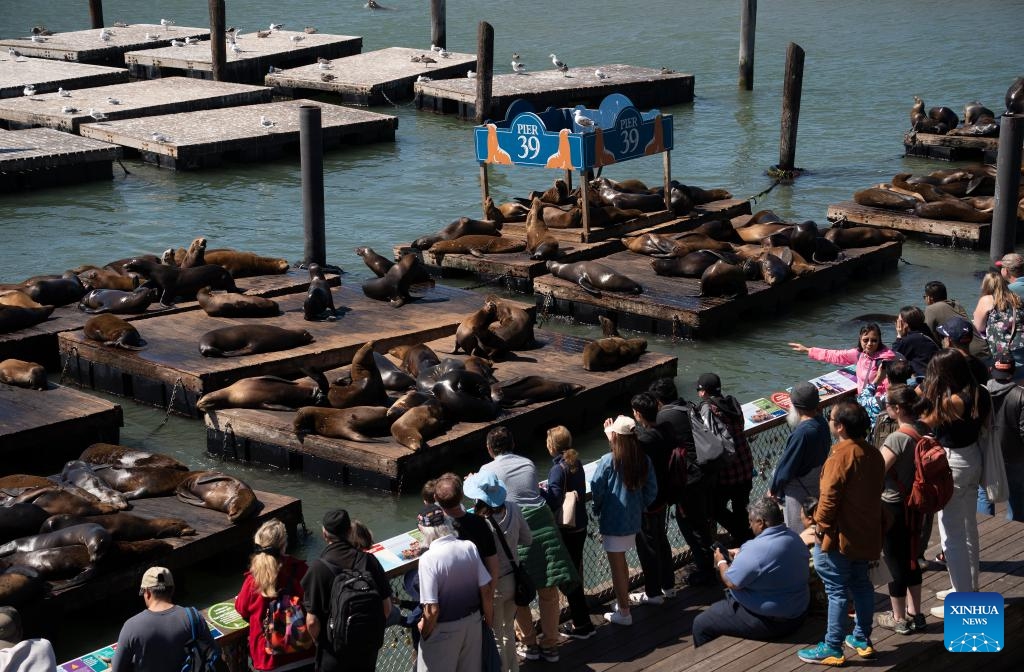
{"type": "Point", "coordinates": [868, 356]}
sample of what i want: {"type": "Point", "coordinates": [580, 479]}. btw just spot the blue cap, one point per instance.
{"type": "Point", "coordinates": [485, 487]}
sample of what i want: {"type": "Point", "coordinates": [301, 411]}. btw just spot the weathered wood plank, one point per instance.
{"type": "Point", "coordinates": [44, 148]}
{"type": "Point", "coordinates": [86, 46]}
{"type": "Point", "coordinates": [968, 234]}
{"type": "Point", "coordinates": [46, 75]}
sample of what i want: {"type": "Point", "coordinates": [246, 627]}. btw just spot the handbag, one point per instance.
{"type": "Point", "coordinates": [878, 572]}
{"type": "Point", "coordinates": [567, 516]}
{"type": "Point", "coordinates": [525, 590]}
{"type": "Point", "coordinates": [993, 469]}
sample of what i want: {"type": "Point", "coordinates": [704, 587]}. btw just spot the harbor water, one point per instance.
{"type": "Point", "coordinates": [865, 60]}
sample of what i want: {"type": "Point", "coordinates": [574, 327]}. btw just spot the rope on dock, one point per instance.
{"type": "Point", "coordinates": [754, 199]}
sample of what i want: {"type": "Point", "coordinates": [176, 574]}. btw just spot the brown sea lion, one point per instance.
{"type": "Point", "coordinates": [16, 297]}
{"type": "Point", "coordinates": [394, 378]}
{"type": "Point", "coordinates": [90, 535]}
{"type": "Point", "coordinates": [55, 291]}
{"type": "Point", "coordinates": [608, 326]}
{"type": "Point", "coordinates": [113, 331]}
{"type": "Point", "coordinates": [122, 456]}
{"type": "Point", "coordinates": [539, 241]}
{"type": "Point", "coordinates": [141, 482]}
{"type": "Point", "coordinates": [117, 301]}
{"type": "Point", "coordinates": [802, 238]}
{"type": "Point", "coordinates": [611, 353]}
{"type": "Point", "coordinates": [267, 392]}
{"type": "Point", "coordinates": [652, 244]}
{"type": "Point", "coordinates": [220, 492]}
{"type": "Point", "coordinates": [627, 201]}
{"type": "Point", "coordinates": [15, 318]}
{"type": "Point", "coordinates": [930, 192]}
{"type": "Point", "coordinates": [195, 255]}
{"type": "Point", "coordinates": [557, 193]}
{"type": "Point", "coordinates": [513, 325]}
{"type": "Point", "coordinates": [862, 236]}
{"type": "Point", "coordinates": [463, 226]}
{"type": "Point", "coordinates": [593, 276]}
{"type": "Point", "coordinates": [618, 215]}
{"type": "Point", "coordinates": [82, 475]}
{"type": "Point", "coordinates": [251, 339]}
{"type": "Point", "coordinates": [570, 218]}
{"type": "Point", "coordinates": [753, 233]}
{"type": "Point", "coordinates": [394, 286]}
{"type": "Point", "coordinates": [478, 245]}
{"type": "Point", "coordinates": [491, 212]}
{"type": "Point", "coordinates": [20, 586]}
{"type": "Point", "coordinates": [20, 373]}
{"type": "Point", "coordinates": [232, 304]}
{"type": "Point", "coordinates": [56, 564]}
{"type": "Point", "coordinates": [954, 209]}
{"type": "Point", "coordinates": [118, 266]}
{"type": "Point", "coordinates": [366, 387]}
{"type": "Point", "coordinates": [23, 481]}
{"type": "Point", "coordinates": [773, 270]}
{"type": "Point", "coordinates": [319, 302]}
{"type": "Point", "coordinates": [246, 264]}
{"type": "Point", "coordinates": [944, 116]}
{"type": "Point", "coordinates": [20, 520]}
{"type": "Point", "coordinates": [99, 278]}
{"type": "Point", "coordinates": [532, 390]}
{"type": "Point", "coordinates": [473, 336]}
{"type": "Point", "coordinates": [876, 197]}
{"type": "Point", "coordinates": [375, 262]}
{"type": "Point", "coordinates": [704, 196]}
{"type": "Point", "coordinates": [692, 242]}
{"type": "Point", "coordinates": [184, 282]}
{"type": "Point", "coordinates": [342, 423]}
{"type": "Point", "coordinates": [407, 402]}
{"type": "Point", "coordinates": [415, 358]}
{"type": "Point", "coordinates": [124, 526]}
{"type": "Point", "coordinates": [513, 211]}
{"type": "Point", "coordinates": [419, 424]}
{"type": "Point", "coordinates": [723, 279]}
{"type": "Point", "coordinates": [764, 217]}
{"type": "Point", "coordinates": [693, 264]}
{"type": "Point", "coordinates": [716, 229]}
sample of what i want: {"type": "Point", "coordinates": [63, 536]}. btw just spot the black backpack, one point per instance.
{"type": "Point", "coordinates": [356, 620]}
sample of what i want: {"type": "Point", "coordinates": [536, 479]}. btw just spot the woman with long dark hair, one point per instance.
{"type": "Point", "coordinates": [868, 356]}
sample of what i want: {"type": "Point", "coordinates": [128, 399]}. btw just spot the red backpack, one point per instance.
{"type": "Point", "coordinates": [933, 479]}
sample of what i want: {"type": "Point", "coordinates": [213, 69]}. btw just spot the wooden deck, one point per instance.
{"type": "Point", "coordinates": [210, 137]}
{"type": "Point", "coordinates": [40, 430]}
{"type": "Point", "coordinates": [171, 372]}
{"type": "Point", "coordinates": [374, 78]}
{"type": "Point", "coordinates": [268, 437]}
{"type": "Point", "coordinates": [673, 305]}
{"type": "Point", "coordinates": [42, 157]}
{"type": "Point", "coordinates": [46, 75]}
{"type": "Point", "coordinates": [137, 99]}
{"type": "Point", "coordinates": [660, 638]}
{"type": "Point", "coordinates": [950, 147]}
{"type": "Point", "coordinates": [646, 87]}
{"type": "Point", "coordinates": [957, 234]}
{"type": "Point", "coordinates": [85, 46]}
{"type": "Point", "coordinates": [39, 343]}
{"type": "Point", "coordinates": [280, 49]}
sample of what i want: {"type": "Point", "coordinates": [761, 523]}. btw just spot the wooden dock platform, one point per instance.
{"type": "Point", "coordinates": [645, 87]}
{"type": "Point", "coordinates": [46, 75]}
{"type": "Point", "coordinates": [85, 46]}
{"type": "Point", "coordinates": [207, 138]}
{"type": "Point", "coordinates": [268, 437]}
{"type": "Point", "coordinates": [137, 99]}
{"type": "Point", "coordinates": [280, 49]}
{"type": "Point", "coordinates": [957, 234]}
{"type": "Point", "coordinates": [40, 430]}
{"type": "Point", "coordinates": [950, 147]}
{"type": "Point", "coordinates": [673, 306]}
{"type": "Point", "coordinates": [171, 372]}
{"type": "Point", "coordinates": [377, 77]}
{"type": "Point", "coordinates": [42, 157]}
{"type": "Point", "coordinates": [39, 343]}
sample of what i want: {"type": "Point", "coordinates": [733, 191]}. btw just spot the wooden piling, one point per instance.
{"type": "Point", "coordinates": [218, 47]}
{"type": "Point", "coordinates": [1004, 216]}
{"type": "Point", "coordinates": [96, 13]}
{"type": "Point", "coordinates": [748, 22]}
{"type": "Point", "coordinates": [484, 70]}
{"type": "Point", "coordinates": [438, 36]}
{"type": "Point", "coordinates": [791, 91]}
{"type": "Point", "coordinates": [311, 146]}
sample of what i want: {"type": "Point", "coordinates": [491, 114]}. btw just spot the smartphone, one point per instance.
{"type": "Point", "coordinates": [720, 547]}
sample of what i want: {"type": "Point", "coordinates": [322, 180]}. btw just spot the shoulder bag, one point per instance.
{"type": "Point", "coordinates": [525, 590]}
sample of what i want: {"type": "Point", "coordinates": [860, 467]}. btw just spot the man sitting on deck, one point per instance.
{"type": "Point", "coordinates": [766, 582]}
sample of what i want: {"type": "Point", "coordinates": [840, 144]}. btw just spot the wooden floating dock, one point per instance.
{"type": "Point", "coordinates": [958, 234]}
{"type": "Point", "coordinates": [646, 87]}
{"type": "Point", "coordinates": [40, 430]}
{"type": "Point", "coordinates": [42, 157]}
{"type": "Point", "coordinates": [46, 75]}
{"type": "Point", "coordinates": [950, 147]}
{"type": "Point", "coordinates": [137, 99]}
{"type": "Point", "coordinates": [673, 306]}
{"type": "Point", "coordinates": [268, 437]}
{"type": "Point", "coordinates": [39, 343]}
{"type": "Point", "coordinates": [170, 367]}
{"type": "Point", "coordinates": [210, 137]}
{"type": "Point", "coordinates": [375, 78]}
{"type": "Point", "coordinates": [248, 66]}
{"type": "Point", "coordinates": [85, 46]}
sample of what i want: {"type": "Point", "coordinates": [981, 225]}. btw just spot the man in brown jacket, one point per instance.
{"type": "Point", "coordinates": [848, 525]}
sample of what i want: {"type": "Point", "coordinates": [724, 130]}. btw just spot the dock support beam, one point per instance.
{"type": "Point", "coordinates": [484, 69]}
{"type": "Point", "coordinates": [791, 91]}
{"type": "Point", "coordinates": [218, 47]}
{"type": "Point", "coordinates": [311, 147]}
{"type": "Point", "coordinates": [1004, 215]}
{"type": "Point", "coordinates": [96, 13]}
{"type": "Point", "coordinates": [748, 22]}
{"type": "Point", "coordinates": [438, 35]}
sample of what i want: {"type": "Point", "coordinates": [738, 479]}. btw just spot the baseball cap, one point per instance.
{"type": "Point", "coordinates": [957, 330]}
{"type": "Point", "coordinates": [709, 382]}
{"type": "Point", "coordinates": [337, 523]}
{"type": "Point", "coordinates": [10, 627]}
{"type": "Point", "coordinates": [1004, 368]}
{"type": "Point", "coordinates": [487, 488]}
{"type": "Point", "coordinates": [623, 425]}
{"type": "Point", "coordinates": [430, 515]}
{"type": "Point", "coordinates": [1011, 261]}
{"type": "Point", "coordinates": [805, 395]}
{"type": "Point", "coordinates": [157, 577]}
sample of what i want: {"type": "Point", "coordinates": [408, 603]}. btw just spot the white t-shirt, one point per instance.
{"type": "Point", "coordinates": [451, 574]}
{"type": "Point", "coordinates": [29, 655]}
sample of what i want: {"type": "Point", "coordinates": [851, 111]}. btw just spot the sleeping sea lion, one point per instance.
{"type": "Point", "coordinates": [55, 291]}
{"type": "Point", "coordinates": [569, 217]}
{"type": "Point", "coordinates": [465, 396]}
{"type": "Point", "coordinates": [20, 373]}
{"type": "Point", "coordinates": [15, 318]}
{"type": "Point", "coordinates": [20, 520]}
{"type": "Point", "coordinates": [82, 475]}
{"type": "Point", "coordinates": [394, 378]}
{"type": "Point", "coordinates": [420, 423]}
{"type": "Point", "coordinates": [652, 244]}
{"type": "Point", "coordinates": [251, 339]}
{"type": "Point", "coordinates": [862, 236]}
{"type": "Point", "coordinates": [513, 211]}
{"type": "Point", "coordinates": [242, 264]}
{"type": "Point", "coordinates": [613, 352]}
{"type": "Point", "coordinates": [141, 482]}
{"type": "Point", "coordinates": [342, 423]}
{"type": "Point", "coordinates": [877, 197]}
{"type": "Point", "coordinates": [532, 390]}
{"type": "Point", "coordinates": [113, 331]}
{"type": "Point", "coordinates": [407, 402]}
{"type": "Point", "coordinates": [220, 492]}
{"type": "Point", "coordinates": [592, 276]}
{"type": "Point", "coordinates": [415, 358]}
{"type": "Point", "coordinates": [117, 301]}
{"type": "Point", "coordinates": [181, 282]}
{"type": "Point", "coordinates": [802, 238]}
{"type": "Point", "coordinates": [99, 278]}
{"type": "Point", "coordinates": [124, 526]}
{"type": "Point", "coordinates": [955, 210]}
{"type": "Point", "coordinates": [232, 304]}
{"type": "Point", "coordinates": [267, 392]}
{"type": "Point", "coordinates": [693, 264]}
{"type": "Point", "coordinates": [463, 226]}
{"type": "Point", "coordinates": [90, 535]}
{"type": "Point", "coordinates": [723, 279]}
{"type": "Point", "coordinates": [122, 456]}
{"type": "Point", "coordinates": [478, 245]}
{"type": "Point", "coordinates": [20, 586]}
{"type": "Point", "coordinates": [16, 297]}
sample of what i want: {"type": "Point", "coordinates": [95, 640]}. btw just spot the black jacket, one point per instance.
{"type": "Point", "coordinates": [918, 349]}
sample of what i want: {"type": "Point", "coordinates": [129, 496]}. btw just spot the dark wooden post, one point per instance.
{"type": "Point", "coordinates": [585, 201]}
{"type": "Point", "coordinates": [311, 148]}
{"type": "Point", "coordinates": [218, 47]}
{"type": "Point", "coordinates": [1004, 215]}
{"type": "Point", "coordinates": [96, 13]}
{"type": "Point", "coordinates": [485, 188]}
{"type": "Point", "coordinates": [748, 22]}
{"type": "Point", "coordinates": [484, 70]}
{"type": "Point", "coordinates": [666, 169]}
{"type": "Point", "coordinates": [438, 36]}
{"type": "Point", "coordinates": [791, 91]}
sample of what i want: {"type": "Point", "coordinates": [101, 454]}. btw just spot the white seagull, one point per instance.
{"type": "Point", "coordinates": [471, 74]}
{"type": "Point", "coordinates": [518, 68]}
{"type": "Point", "coordinates": [424, 78]}
{"type": "Point", "coordinates": [159, 137]}
{"type": "Point", "coordinates": [235, 48]}
{"type": "Point", "coordinates": [105, 35]}
{"type": "Point", "coordinates": [29, 90]}
{"type": "Point", "coordinates": [322, 61]}
{"type": "Point", "coordinates": [63, 93]}
{"type": "Point", "coordinates": [324, 66]}
{"type": "Point", "coordinates": [266, 123]}
{"type": "Point", "coordinates": [435, 48]}
{"type": "Point", "coordinates": [177, 43]}
{"type": "Point", "coordinates": [581, 120]}
{"type": "Point", "coordinates": [96, 114]}
{"type": "Point", "coordinates": [166, 22]}
{"type": "Point", "coordinates": [191, 40]}
{"type": "Point", "coordinates": [152, 36]}
{"type": "Point", "coordinates": [67, 109]}
{"type": "Point", "coordinates": [276, 26]}
{"type": "Point", "coordinates": [599, 73]}
{"type": "Point", "coordinates": [297, 38]}
{"type": "Point", "coordinates": [273, 70]}
{"type": "Point", "coordinates": [113, 101]}
{"type": "Point", "coordinates": [559, 65]}
{"type": "Point", "coordinates": [444, 53]}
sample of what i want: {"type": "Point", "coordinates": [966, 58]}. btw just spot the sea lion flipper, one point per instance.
{"type": "Point", "coordinates": [587, 287]}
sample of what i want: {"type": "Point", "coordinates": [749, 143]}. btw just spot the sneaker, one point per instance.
{"type": "Point", "coordinates": [570, 630]}
{"type": "Point", "coordinates": [644, 598]}
{"type": "Point", "coordinates": [939, 611]}
{"type": "Point", "coordinates": [888, 620]}
{"type": "Point", "coordinates": [941, 595]}
{"type": "Point", "coordinates": [549, 655]}
{"type": "Point", "coordinates": [861, 646]}
{"type": "Point", "coordinates": [669, 593]}
{"type": "Point", "coordinates": [530, 652]}
{"type": "Point", "coordinates": [923, 564]}
{"type": "Point", "coordinates": [917, 623]}
{"type": "Point", "coordinates": [822, 654]}
{"type": "Point", "coordinates": [618, 619]}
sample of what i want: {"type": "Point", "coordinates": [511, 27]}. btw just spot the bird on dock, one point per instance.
{"type": "Point", "coordinates": [434, 48]}
{"type": "Point", "coordinates": [276, 26]}
{"type": "Point", "coordinates": [262, 33]}
{"type": "Point", "coordinates": [427, 60]}
{"type": "Point", "coordinates": [471, 74]}
{"type": "Point", "coordinates": [518, 68]}
{"type": "Point", "coordinates": [666, 71]}
{"type": "Point", "coordinates": [310, 30]}
{"type": "Point", "coordinates": [444, 53]}
{"type": "Point", "coordinates": [326, 77]}
{"type": "Point", "coordinates": [323, 61]}
{"type": "Point", "coordinates": [67, 109]}
{"type": "Point", "coordinates": [191, 40]}
{"type": "Point", "coordinates": [297, 38]}
{"type": "Point", "coordinates": [167, 23]}
{"type": "Point", "coordinates": [120, 24]}
{"type": "Point", "coordinates": [29, 90]}
{"type": "Point", "coordinates": [273, 70]}
{"type": "Point", "coordinates": [562, 67]}
{"type": "Point", "coordinates": [416, 59]}
{"type": "Point", "coordinates": [326, 65]}
{"type": "Point", "coordinates": [600, 74]}
{"type": "Point", "coordinates": [96, 114]}
{"type": "Point", "coordinates": [37, 38]}
{"type": "Point", "coordinates": [424, 78]}
{"type": "Point", "coordinates": [105, 35]}
{"type": "Point", "coordinates": [152, 36]}
{"type": "Point", "coordinates": [235, 48]}
{"type": "Point", "coordinates": [582, 120]}
{"type": "Point", "coordinates": [266, 123]}
{"type": "Point", "coordinates": [13, 52]}
{"type": "Point", "coordinates": [159, 137]}
{"type": "Point", "coordinates": [113, 101]}
{"type": "Point", "coordinates": [41, 30]}
{"type": "Point", "coordinates": [177, 43]}
{"type": "Point", "coordinates": [62, 92]}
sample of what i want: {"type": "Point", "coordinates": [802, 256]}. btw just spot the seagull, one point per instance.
{"type": "Point", "coordinates": [159, 137]}
{"type": "Point", "coordinates": [297, 38]}
{"type": "Point", "coordinates": [262, 33]}
{"type": "Point", "coordinates": [515, 56]}
{"type": "Point", "coordinates": [424, 78]}
{"type": "Point", "coordinates": [266, 123]}
{"type": "Point", "coordinates": [177, 43]}
{"type": "Point", "coordinates": [29, 90]}
{"type": "Point", "coordinates": [427, 60]}
{"type": "Point", "coordinates": [273, 70]}
{"type": "Point", "coordinates": [38, 38]}
{"type": "Point", "coordinates": [471, 74]}
{"type": "Point", "coordinates": [325, 66]}
{"type": "Point", "coordinates": [309, 30]}
{"type": "Point", "coordinates": [599, 73]}
{"type": "Point", "coordinates": [63, 93]}
{"type": "Point", "coordinates": [444, 53]}
{"type": "Point", "coordinates": [105, 35]}
{"type": "Point", "coordinates": [96, 114]}
{"type": "Point", "coordinates": [120, 24]}
{"type": "Point", "coordinates": [323, 61]}
{"type": "Point", "coordinates": [41, 30]}
{"type": "Point", "coordinates": [372, 4]}
{"type": "Point", "coordinates": [559, 65]}
{"type": "Point", "coordinates": [235, 48]}
{"type": "Point", "coordinates": [13, 52]}
{"type": "Point", "coordinates": [276, 26]}
{"type": "Point", "coordinates": [518, 68]}
{"type": "Point", "coordinates": [416, 59]}
{"type": "Point", "coordinates": [666, 71]}
{"type": "Point", "coordinates": [326, 77]}
{"type": "Point", "coordinates": [67, 109]}
{"type": "Point", "coordinates": [152, 36]}
{"type": "Point", "coordinates": [581, 120]}
{"type": "Point", "coordinates": [113, 101]}
{"type": "Point", "coordinates": [166, 22]}
{"type": "Point", "coordinates": [435, 48]}
{"type": "Point", "coordinates": [191, 40]}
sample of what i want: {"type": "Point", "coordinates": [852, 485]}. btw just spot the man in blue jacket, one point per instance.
{"type": "Point", "coordinates": [796, 476]}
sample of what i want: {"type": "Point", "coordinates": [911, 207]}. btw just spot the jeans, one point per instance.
{"type": "Point", "coordinates": [958, 522]}
{"type": "Point", "coordinates": [655, 552]}
{"type": "Point", "coordinates": [1015, 501]}
{"type": "Point", "coordinates": [839, 575]}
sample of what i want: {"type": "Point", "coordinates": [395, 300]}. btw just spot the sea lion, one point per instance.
{"type": "Point", "coordinates": [342, 423]}
{"type": "Point", "coordinates": [267, 392]}
{"type": "Point", "coordinates": [944, 116]}
{"type": "Point", "coordinates": [22, 482]}
{"type": "Point", "coordinates": [723, 279]}
{"type": "Point", "coordinates": [716, 229]}
{"type": "Point", "coordinates": [20, 586]}
{"type": "Point", "coordinates": [231, 304]}
{"type": "Point", "coordinates": [99, 278]}
{"type": "Point", "coordinates": [82, 475]}
{"type": "Point", "coordinates": [651, 244]}
{"type": "Point", "coordinates": [513, 211]}
{"type": "Point", "coordinates": [184, 282]}
{"type": "Point", "coordinates": [473, 336]}
{"type": "Point", "coordinates": [367, 387]}
{"type": "Point", "coordinates": [513, 325]}
{"type": "Point", "coordinates": [532, 390]}
{"type": "Point", "coordinates": [608, 326]}
{"type": "Point", "coordinates": [953, 209]}
{"type": "Point", "coordinates": [56, 564]}
{"type": "Point", "coordinates": [16, 297]}
{"type": "Point", "coordinates": [141, 482]}
{"type": "Point", "coordinates": [703, 196]}
{"type": "Point", "coordinates": [753, 233]}
{"type": "Point", "coordinates": [375, 262]}
{"type": "Point", "coordinates": [124, 526]}
{"type": "Point", "coordinates": [802, 238]}
{"type": "Point", "coordinates": [463, 226]}
{"type": "Point", "coordinates": [55, 291]}
{"type": "Point", "coordinates": [429, 377]}
{"type": "Point", "coordinates": [20, 520]}
{"type": "Point", "coordinates": [929, 192]}
{"type": "Point", "coordinates": [394, 286]}
{"type": "Point", "coordinates": [618, 215]}
{"type": "Point", "coordinates": [692, 242]}
{"type": "Point", "coordinates": [122, 456]}
{"type": "Point", "coordinates": [415, 358]}
{"type": "Point", "coordinates": [478, 245]}
{"type": "Point", "coordinates": [90, 535]}
{"type": "Point", "coordinates": [557, 193]}
{"type": "Point", "coordinates": [627, 201]}
{"type": "Point", "coordinates": [319, 302]}
{"type": "Point", "coordinates": [764, 217]}
{"type": "Point", "coordinates": [20, 373]}
{"type": "Point", "coordinates": [118, 266]}
{"type": "Point", "coordinates": [117, 301]}
{"type": "Point", "coordinates": [113, 331]}
{"type": "Point", "coordinates": [773, 269]}
{"type": "Point", "coordinates": [15, 318]}
{"type": "Point", "coordinates": [491, 212]}
{"type": "Point", "coordinates": [245, 264]}
{"type": "Point", "coordinates": [407, 402]}
{"type": "Point", "coordinates": [570, 217]}
{"type": "Point", "coordinates": [394, 378]}
{"type": "Point", "coordinates": [921, 122]}
{"type": "Point", "coordinates": [613, 352]}
{"type": "Point", "coordinates": [861, 236]}
{"type": "Point", "coordinates": [693, 264]}
{"type": "Point", "coordinates": [251, 339]}
{"type": "Point", "coordinates": [539, 241]}
{"type": "Point", "coordinates": [195, 255]}
{"type": "Point", "coordinates": [592, 276]}
{"type": "Point", "coordinates": [220, 492]}
{"type": "Point", "coordinates": [466, 396]}
{"type": "Point", "coordinates": [414, 427]}
{"type": "Point", "coordinates": [877, 197]}
{"type": "Point", "coordinates": [825, 251]}
{"type": "Point", "coordinates": [1015, 97]}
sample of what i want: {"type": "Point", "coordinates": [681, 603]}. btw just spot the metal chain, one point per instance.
{"type": "Point", "coordinates": [67, 363]}
{"type": "Point", "coordinates": [393, 103]}
{"type": "Point", "coordinates": [229, 437]}
{"type": "Point", "coordinates": [675, 329]}
{"type": "Point", "coordinates": [545, 309]}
